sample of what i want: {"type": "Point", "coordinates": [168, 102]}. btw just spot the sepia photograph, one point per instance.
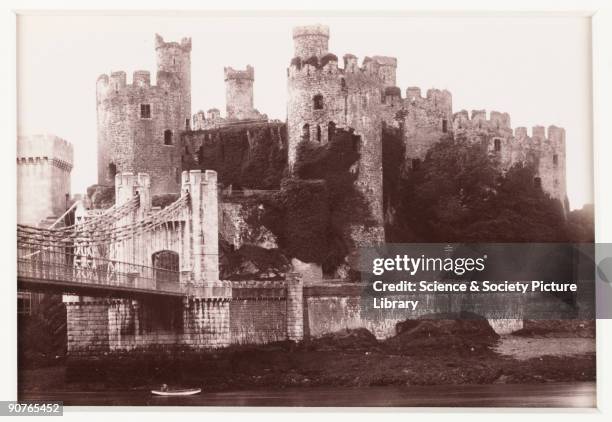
{"type": "Point", "coordinates": [305, 210]}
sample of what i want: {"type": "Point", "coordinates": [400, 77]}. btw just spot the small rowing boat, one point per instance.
{"type": "Point", "coordinates": [182, 392]}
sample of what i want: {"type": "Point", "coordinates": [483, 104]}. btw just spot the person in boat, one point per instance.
{"type": "Point", "coordinates": [164, 387]}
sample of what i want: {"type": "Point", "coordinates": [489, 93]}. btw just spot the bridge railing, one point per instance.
{"type": "Point", "coordinates": [65, 267]}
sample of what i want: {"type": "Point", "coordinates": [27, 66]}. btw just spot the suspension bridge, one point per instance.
{"type": "Point", "coordinates": [129, 249]}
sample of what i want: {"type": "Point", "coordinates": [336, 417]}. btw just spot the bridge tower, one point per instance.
{"type": "Point", "coordinates": [198, 317]}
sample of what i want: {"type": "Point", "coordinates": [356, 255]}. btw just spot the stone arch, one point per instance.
{"type": "Point", "coordinates": [319, 133]}
{"type": "Point", "coordinates": [166, 265]}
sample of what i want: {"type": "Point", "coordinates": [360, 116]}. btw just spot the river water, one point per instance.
{"type": "Point", "coordinates": [489, 395]}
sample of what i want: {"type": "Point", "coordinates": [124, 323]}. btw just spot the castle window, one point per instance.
{"type": "Point", "coordinates": [331, 130]}
{"type": "Point", "coordinates": [145, 111]}
{"type": "Point", "coordinates": [416, 164]}
{"type": "Point", "coordinates": [537, 182]}
{"type": "Point", "coordinates": [317, 102]}
{"type": "Point", "coordinates": [187, 124]}
{"type": "Point", "coordinates": [444, 125]}
{"type": "Point", "coordinates": [555, 160]}
{"type": "Point", "coordinates": [306, 132]}
{"type": "Point", "coordinates": [167, 137]}
{"type": "Point", "coordinates": [319, 133]}
{"type": "Point", "coordinates": [343, 83]}
{"type": "Point", "coordinates": [497, 145]}
{"type": "Point", "coordinates": [112, 170]}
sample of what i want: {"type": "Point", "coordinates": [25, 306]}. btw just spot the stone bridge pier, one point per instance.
{"type": "Point", "coordinates": [197, 319]}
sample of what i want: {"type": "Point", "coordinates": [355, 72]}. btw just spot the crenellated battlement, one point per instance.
{"type": "Point", "coordinates": [434, 98]}
{"type": "Point", "coordinates": [552, 134]}
{"type": "Point", "coordinates": [117, 83]}
{"type": "Point", "coordinates": [311, 30]}
{"type": "Point", "coordinates": [230, 73]}
{"type": "Point", "coordinates": [326, 67]}
{"type": "Point", "coordinates": [45, 146]}
{"type": "Point", "coordinates": [478, 120]}
{"type": "Point", "coordinates": [184, 44]}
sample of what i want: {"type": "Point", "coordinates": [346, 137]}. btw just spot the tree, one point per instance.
{"type": "Point", "coordinates": [458, 194]}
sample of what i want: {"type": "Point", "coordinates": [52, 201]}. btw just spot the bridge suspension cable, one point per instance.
{"type": "Point", "coordinates": [102, 229]}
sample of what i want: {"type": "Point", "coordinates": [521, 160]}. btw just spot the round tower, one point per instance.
{"type": "Point", "coordinates": [323, 98]}
{"type": "Point", "coordinates": [239, 92]}
{"type": "Point", "coordinates": [309, 41]}
{"type": "Point", "coordinates": [139, 124]}
{"type": "Point", "coordinates": [175, 58]}
{"type": "Point", "coordinates": [44, 163]}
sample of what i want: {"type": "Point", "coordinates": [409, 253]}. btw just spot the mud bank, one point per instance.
{"type": "Point", "coordinates": [444, 353]}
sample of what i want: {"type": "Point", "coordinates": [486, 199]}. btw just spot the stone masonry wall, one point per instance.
{"type": "Point", "coordinates": [88, 327]}
{"type": "Point", "coordinates": [258, 312]}
{"type": "Point", "coordinates": [206, 323]}
{"type": "Point", "coordinates": [424, 120]}
{"type": "Point", "coordinates": [545, 148]}
{"type": "Point", "coordinates": [98, 326]}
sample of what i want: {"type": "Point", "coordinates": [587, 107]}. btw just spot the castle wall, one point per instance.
{"type": "Point", "coordinates": [248, 155]}
{"type": "Point", "coordinates": [424, 120]}
{"type": "Point", "coordinates": [545, 149]}
{"type": "Point", "coordinates": [258, 312]}
{"type": "Point", "coordinates": [44, 163]}
{"type": "Point", "coordinates": [331, 307]}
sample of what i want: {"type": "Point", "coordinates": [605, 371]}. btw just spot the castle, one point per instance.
{"type": "Point", "coordinates": [140, 126]}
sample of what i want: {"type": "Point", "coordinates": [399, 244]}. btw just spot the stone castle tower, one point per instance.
{"type": "Point", "coordinates": [239, 93]}
{"type": "Point", "coordinates": [139, 124]}
{"type": "Point", "coordinates": [323, 96]}
{"type": "Point", "coordinates": [44, 163]}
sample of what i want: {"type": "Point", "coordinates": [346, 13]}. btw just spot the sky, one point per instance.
{"type": "Point", "coordinates": [538, 69]}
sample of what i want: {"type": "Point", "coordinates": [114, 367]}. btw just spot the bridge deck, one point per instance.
{"type": "Point", "coordinates": [66, 273]}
